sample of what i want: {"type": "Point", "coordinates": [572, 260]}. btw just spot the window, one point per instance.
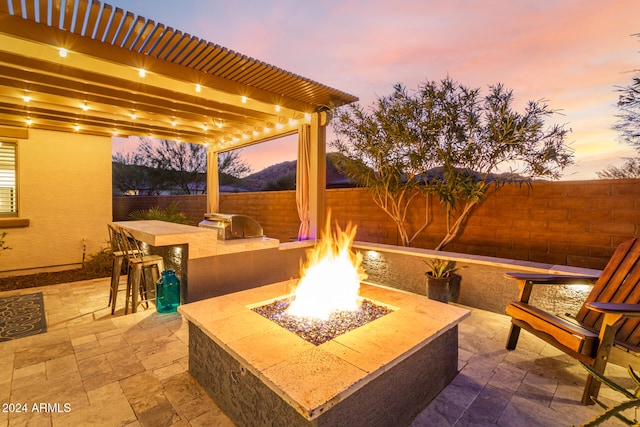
{"type": "Point", "coordinates": [8, 194]}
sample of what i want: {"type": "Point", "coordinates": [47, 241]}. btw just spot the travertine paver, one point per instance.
{"type": "Point", "coordinates": [141, 372]}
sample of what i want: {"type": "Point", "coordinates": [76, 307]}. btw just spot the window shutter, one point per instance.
{"type": "Point", "coordinates": [8, 196]}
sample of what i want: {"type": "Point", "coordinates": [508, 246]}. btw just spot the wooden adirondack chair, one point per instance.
{"type": "Point", "coordinates": [609, 316]}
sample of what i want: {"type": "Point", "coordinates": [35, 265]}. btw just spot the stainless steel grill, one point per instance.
{"type": "Point", "coordinates": [232, 226]}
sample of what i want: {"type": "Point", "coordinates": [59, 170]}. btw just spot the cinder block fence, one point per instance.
{"type": "Point", "coordinates": [577, 223]}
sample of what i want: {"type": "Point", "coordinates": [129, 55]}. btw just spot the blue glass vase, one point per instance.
{"type": "Point", "coordinates": [168, 292]}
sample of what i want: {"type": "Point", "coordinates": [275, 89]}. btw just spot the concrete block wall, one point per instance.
{"type": "Point", "coordinates": [193, 205]}
{"type": "Point", "coordinates": [576, 223]}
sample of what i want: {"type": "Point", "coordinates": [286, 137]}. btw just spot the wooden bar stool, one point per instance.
{"type": "Point", "coordinates": [139, 264]}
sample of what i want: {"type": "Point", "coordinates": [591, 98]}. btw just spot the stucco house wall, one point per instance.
{"type": "Point", "coordinates": [64, 190]}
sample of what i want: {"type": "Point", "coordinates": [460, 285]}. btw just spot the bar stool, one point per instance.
{"type": "Point", "coordinates": [119, 255]}
{"type": "Point", "coordinates": [139, 264]}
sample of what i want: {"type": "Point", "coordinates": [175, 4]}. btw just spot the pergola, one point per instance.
{"type": "Point", "coordinates": [87, 67]}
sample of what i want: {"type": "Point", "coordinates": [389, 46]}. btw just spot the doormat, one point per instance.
{"type": "Point", "coordinates": [22, 316]}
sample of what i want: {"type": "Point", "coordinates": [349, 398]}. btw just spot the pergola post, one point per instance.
{"type": "Point", "coordinates": [317, 173]}
{"type": "Point", "coordinates": [213, 190]}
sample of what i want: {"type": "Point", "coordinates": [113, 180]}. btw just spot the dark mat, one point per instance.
{"type": "Point", "coordinates": [22, 316]}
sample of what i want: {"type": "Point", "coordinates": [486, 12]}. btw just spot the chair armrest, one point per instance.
{"type": "Point", "coordinates": [527, 280]}
{"type": "Point", "coordinates": [551, 279]}
{"type": "Point", "coordinates": [626, 310]}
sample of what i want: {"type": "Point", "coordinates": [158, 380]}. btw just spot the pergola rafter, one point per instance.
{"type": "Point", "coordinates": [193, 90]}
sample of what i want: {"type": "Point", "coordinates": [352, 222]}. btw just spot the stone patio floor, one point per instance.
{"type": "Point", "coordinates": [133, 370]}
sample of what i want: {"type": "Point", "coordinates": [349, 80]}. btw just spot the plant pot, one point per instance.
{"type": "Point", "coordinates": [439, 288]}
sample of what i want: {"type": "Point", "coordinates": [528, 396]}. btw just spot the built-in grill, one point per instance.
{"type": "Point", "coordinates": [232, 226]}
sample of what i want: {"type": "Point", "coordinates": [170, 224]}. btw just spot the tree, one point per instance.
{"type": "Point", "coordinates": [447, 140]}
{"type": "Point", "coordinates": [630, 169]}
{"type": "Point", "coordinates": [157, 166]}
{"type": "Point", "coordinates": [628, 127]}
{"type": "Point", "coordinates": [231, 167]}
{"type": "Point", "coordinates": [130, 174]}
{"type": "Point", "coordinates": [186, 162]}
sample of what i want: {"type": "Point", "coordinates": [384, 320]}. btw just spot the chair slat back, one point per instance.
{"type": "Point", "coordinates": [115, 239]}
{"type": "Point", "coordinates": [131, 246]}
{"type": "Point", "coordinates": [618, 283]}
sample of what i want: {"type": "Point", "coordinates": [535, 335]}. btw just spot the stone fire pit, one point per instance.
{"type": "Point", "coordinates": [382, 373]}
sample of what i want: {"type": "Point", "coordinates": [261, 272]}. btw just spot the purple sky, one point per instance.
{"type": "Point", "coordinates": [571, 53]}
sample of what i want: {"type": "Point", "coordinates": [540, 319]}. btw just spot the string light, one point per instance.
{"type": "Point", "coordinates": [26, 98]}
{"type": "Point", "coordinates": [133, 116]}
{"type": "Point", "coordinates": [142, 72]}
{"type": "Point", "coordinates": [198, 88]}
{"type": "Point", "coordinates": [277, 108]}
{"type": "Point", "coordinates": [62, 52]}
{"type": "Point", "coordinates": [244, 99]}
{"type": "Point", "coordinates": [29, 121]}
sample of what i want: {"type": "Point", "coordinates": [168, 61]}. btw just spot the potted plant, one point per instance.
{"type": "Point", "coordinates": [440, 278]}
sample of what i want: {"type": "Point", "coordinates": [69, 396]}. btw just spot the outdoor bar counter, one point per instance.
{"type": "Point", "coordinates": [208, 267]}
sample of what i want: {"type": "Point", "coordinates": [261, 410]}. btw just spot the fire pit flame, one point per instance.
{"type": "Point", "coordinates": [331, 278]}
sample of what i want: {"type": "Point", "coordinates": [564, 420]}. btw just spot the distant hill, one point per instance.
{"type": "Point", "coordinates": [258, 180]}
{"type": "Point", "coordinates": [281, 176]}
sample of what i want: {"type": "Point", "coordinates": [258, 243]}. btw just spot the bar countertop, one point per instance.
{"type": "Point", "coordinates": [203, 242]}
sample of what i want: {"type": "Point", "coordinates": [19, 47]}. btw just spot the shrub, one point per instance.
{"type": "Point", "coordinates": [169, 214]}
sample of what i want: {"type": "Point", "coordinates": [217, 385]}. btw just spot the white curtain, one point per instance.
{"type": "Point", "coordinates": [302, 180]}
{"type": "Point", "coordinates": [213, 189]}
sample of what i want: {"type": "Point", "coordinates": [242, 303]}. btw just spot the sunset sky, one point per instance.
{"type": "Point", "coordinates": [571, 53]}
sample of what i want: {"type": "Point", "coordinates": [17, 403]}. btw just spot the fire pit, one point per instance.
{"type": "Point", "coordinates": [318, 331]}
{"type": "Point", "coordinates": [349, 361]}
{"type": "Point", "coordinates": [382, 373]}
